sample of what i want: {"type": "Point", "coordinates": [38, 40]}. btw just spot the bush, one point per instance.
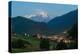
{"type": "Point", "coordinates": [44, 44]}
{"type": "Point", "coordinates": [19, 43]}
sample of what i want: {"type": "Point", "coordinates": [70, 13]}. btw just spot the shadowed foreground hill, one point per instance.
{"type": "Point", "coordinates": [23, 25]}
{"type": "Point", "coordinates": [63, 22]}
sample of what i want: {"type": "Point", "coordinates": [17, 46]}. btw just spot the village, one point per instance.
{"type": "Point", "coordinates": [56, 37]}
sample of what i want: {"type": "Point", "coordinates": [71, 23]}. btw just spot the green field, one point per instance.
{"type": "Point", "coordinates": [21, 43]}
{"type": "Point", "coordinates": [34, 43]}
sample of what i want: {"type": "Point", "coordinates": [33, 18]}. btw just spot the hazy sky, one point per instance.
{"type": "Point", "coordinates": [31, 9]}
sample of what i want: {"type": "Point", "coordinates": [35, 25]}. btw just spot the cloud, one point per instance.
{"type": "Point", "coordinates": [38, 12]}
{"type": "Point", "coordinates": [29, 16]}
{"type": "Point", "coordinates": [41, 12]}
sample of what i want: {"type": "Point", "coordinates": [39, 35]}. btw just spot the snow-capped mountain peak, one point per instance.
{"type": "Point", "coordinates": [39, 16]}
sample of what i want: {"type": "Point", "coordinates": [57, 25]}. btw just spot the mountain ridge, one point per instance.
{"type": "Point", "coordinates": [56, 25]}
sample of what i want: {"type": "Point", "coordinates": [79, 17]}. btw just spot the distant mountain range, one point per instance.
{"type": "Point", "coordinates": [59, 24]}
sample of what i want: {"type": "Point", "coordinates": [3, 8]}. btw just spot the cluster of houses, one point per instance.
{"type": "Point", "coordinates": [56, 37]}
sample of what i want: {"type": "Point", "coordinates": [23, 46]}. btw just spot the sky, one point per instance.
{"type": "Point", "coordinates": [29, 9]}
